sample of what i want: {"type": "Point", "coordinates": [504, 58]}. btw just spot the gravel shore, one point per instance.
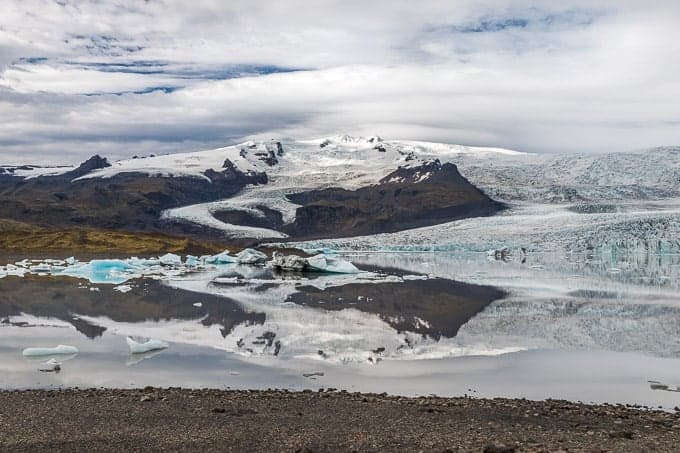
{"type": "Point", "coordinates": [278, 420]}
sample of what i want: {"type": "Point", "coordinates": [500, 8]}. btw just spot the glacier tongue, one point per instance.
{"type": "Point", "coordinates": [644, 227]}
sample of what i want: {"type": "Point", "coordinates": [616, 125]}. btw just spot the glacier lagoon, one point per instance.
{"type": "Point", "coordinates": [601, 326]}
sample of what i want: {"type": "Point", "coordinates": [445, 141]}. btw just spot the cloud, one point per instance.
{"type": "Point", "coordinates": [124, 78]}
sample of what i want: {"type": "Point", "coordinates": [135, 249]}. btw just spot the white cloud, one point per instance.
{"type": "Point", "coordinates": [578, 76]}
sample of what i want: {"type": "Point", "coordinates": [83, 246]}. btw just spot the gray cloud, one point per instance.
{"type": "Point", "coordinates": [123, 78]}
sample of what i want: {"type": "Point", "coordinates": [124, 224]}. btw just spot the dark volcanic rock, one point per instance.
{"type": "Point", "coordinates": [95, 162]}
{"type": "Point", "coordinates": [409, 197]}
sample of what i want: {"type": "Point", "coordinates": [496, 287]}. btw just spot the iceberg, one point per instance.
{"type": "Point", "coordinates": [251, 256]}
{"type": "Point", "coordinates": [58, 350]}
{"type": "Point", "coordinates": [145, 345]}
{"type": "Point", "coordinates": [192, 261]}
{"type": "Point", "coordinates": [288, 262]}
{"type": "Point", "coordinates": [221, 258]}
{"type": "Point", "coordinates": [323, 263]}
{"type": "Point", "coordinates": [103, 271]}
{"type": "Point", "coordinates": [170, 259]}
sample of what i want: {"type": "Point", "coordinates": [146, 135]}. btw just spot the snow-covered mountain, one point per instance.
{"type": "Point", "coordinates": [245, 190]}
{"type": "Point", "coordinates": [361, 186]}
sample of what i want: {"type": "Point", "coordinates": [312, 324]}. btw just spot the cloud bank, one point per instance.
{"type": "Point", "coordinates": [122, 78]}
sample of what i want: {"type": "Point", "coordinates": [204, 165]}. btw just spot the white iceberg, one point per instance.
{"type": "Point", "coordinates": [251, 256]}
{"type": "Point", "coordinates": [170, 259]}
{"type": "Point", "coordinates": [140, 346]}
{"type": "Point", "coordinates": [324, 263]}
{"type": "Point", "coordinates": [58, 350]}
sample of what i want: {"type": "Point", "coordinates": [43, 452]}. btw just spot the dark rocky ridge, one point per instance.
{"type": "Point", "coordinates": [409, 197]}
{"type": "Point", "coordinates": [406, 198]}
{"type": "Point", "coordinates": [126, 201]}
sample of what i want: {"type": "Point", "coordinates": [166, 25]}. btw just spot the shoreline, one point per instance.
{"type": "Point", "coordinates": [328, 420]}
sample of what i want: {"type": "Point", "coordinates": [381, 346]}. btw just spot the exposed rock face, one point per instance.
{"type": "Point", "coordinates": [409, 197]}
{"type": "Point", "coordinates": [129, 201]}
{"type": "Point", "coordinates": [95, 162]}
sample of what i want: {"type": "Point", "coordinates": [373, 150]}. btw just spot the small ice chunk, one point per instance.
{"type": "Point", "coordinates": [323, 263]}
{"type": "Point", "coordinates": [414, 277]}
{"type": "Point", "coordinates": [123, 288]}
{"type": "Point", "coordinates": [251, 256]}
{"type": "Point", "coordinates": [57, 350]}
{"type": "Point", "coordinates": [94, 289]}
{"type": "Point", "coordinates": [70, 261]}
{"type": "Point", "coordinates": [51, 366]}
{"type": "Point", "coordinates": [198, 304]}
{"type": "Point", "coordinates": [170, 259]}
{"type": "Point", "coordinates": [42, 267]}
{"type": "Point", "coordinates": [142, 345]}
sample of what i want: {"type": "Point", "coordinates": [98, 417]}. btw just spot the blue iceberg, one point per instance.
{"type": "Point", "coordinates": [104, 271]}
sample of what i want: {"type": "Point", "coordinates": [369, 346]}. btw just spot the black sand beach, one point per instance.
{"type": "Point", "coordinates": [277, 420]}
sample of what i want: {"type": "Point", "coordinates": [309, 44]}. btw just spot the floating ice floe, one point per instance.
{"type": "Point", "coordinates": [57, 350]}
{"type": "Point", "coordinates": [324, 263]}
{"type": "Point", "coordinates": [103, 271]}
{"type": "Point", "coordinates": [140, 346]}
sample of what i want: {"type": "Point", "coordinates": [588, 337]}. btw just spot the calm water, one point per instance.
{"type": "Point", "coordinates": [589, 328]}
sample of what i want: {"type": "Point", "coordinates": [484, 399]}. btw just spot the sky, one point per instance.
{"type": "Point", "coordinates": [122, 78]}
